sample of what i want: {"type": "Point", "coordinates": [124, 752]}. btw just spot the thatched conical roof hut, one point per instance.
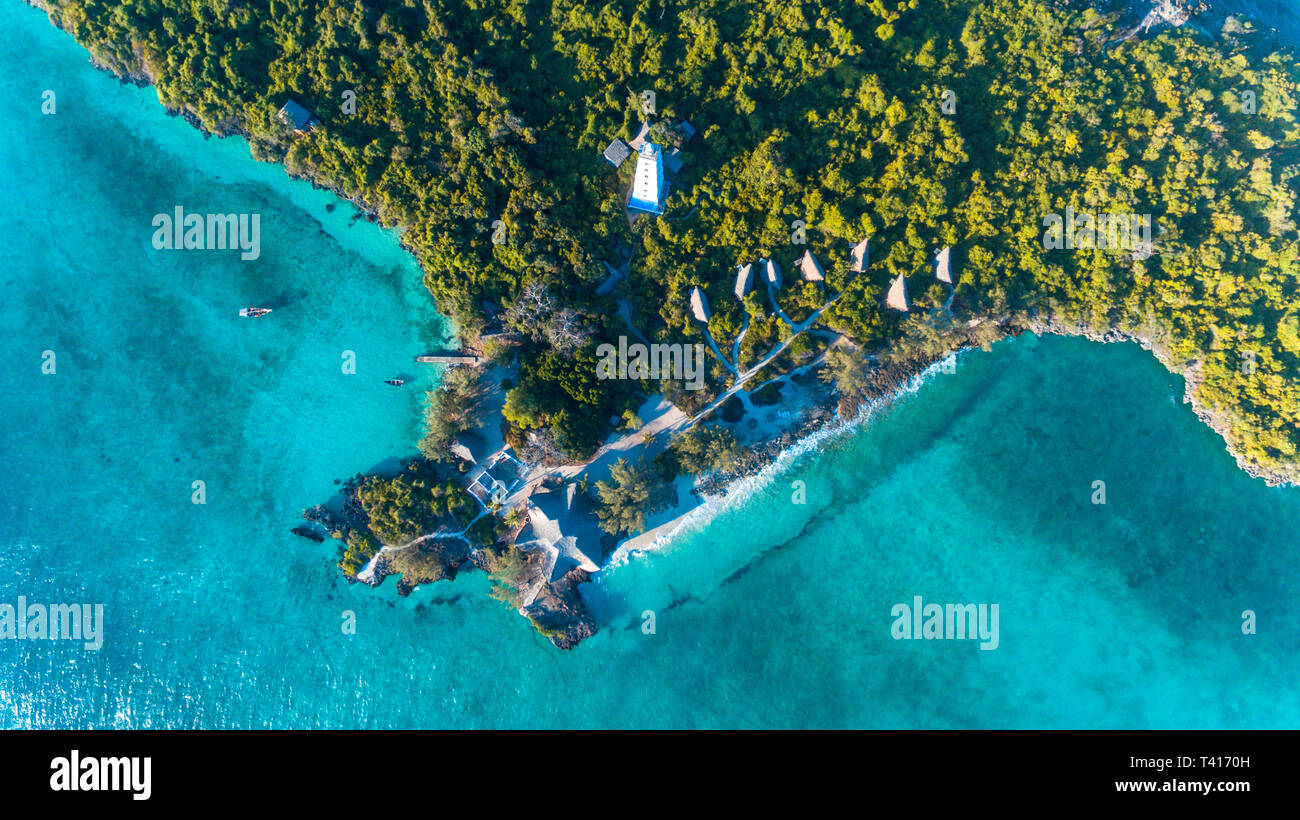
{"type": "Point", "coordinates": [699, 305]}
{"type": "Point", "coordinates": [897, 298]}
{"type": "Point", "coordinates": [809, 268]}
{"type": "Point", "coordinates": [942, 267]}
{"type": "Point", "coordinates": [858, 257]}
{"type": "Point", "coordinates": [744, 280]}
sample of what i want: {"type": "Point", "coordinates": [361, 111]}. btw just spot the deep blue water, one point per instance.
{"type": "Point", "coordinates": [977, 488]}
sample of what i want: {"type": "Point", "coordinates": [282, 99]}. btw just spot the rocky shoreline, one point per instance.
{"type": "Point", "coordinates": [1190, 372]}
{"type": "Point", "coordinates": [887, 384]}
{"type": "Point", "coordinates": [554, 607]}
{"type": "Point", "coordinates": [428, 562]}
{"type": "Point", "coordinates": [140, 75]}
{"type": "Point", "coordinates": [557, 609]}
{"type": "Point", "coordinates": [559, 613]}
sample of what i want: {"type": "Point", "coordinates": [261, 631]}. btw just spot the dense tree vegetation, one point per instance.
{"type": "Point", "coordinates": [450, 409]}
{"type": "Point", "coordinates": [847, 371]}
{"type": "Point", "coordinates": [393, 510]}
{"type": "Point", "coordinates": [412, 503]}
{"type": "Point", "coordinates": [921, 125]}
{"type": "Point", "coordinates": [624, 499]}
{"type": "Point", "coordinates": [699, 450]}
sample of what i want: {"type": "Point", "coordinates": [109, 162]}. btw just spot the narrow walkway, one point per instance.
{"type": "Point", "coordinates": [367, 573]}
{"type": "Point", "coordinates": [735, 348]}
{"type": "Point", "coordinates": [625, 313]}
{"type": "Point", "coordinates": [796, 329]}
{"type": "Point", "coordinates": [708, 337]}
{"type": "Point", "coordinates": [776, 308]}
{"type": "Point", "coordinates": [438, 535]}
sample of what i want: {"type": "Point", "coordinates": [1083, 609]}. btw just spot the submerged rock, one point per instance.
{"type": "Point", "coordinates": [309, 533]}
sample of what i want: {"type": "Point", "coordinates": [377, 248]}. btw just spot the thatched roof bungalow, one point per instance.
{"type": "Point", "coordinates": [744, 280]}
{"type": "Point", "coordinates": [897, 298]}
{"type": "Point", "coordinates": [699, 305]}
{"type": "Point", "coordinates": [809, 268]}
{"type": "Point", "coordinates": [942, 268]}
{"type": "Point", "coordinates": [858, 257]}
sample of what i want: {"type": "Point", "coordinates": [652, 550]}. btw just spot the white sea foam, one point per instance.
{"type": "Point", "coordinates": [367, 573]}
{"type": "Point", "coordinates": [745, 488]}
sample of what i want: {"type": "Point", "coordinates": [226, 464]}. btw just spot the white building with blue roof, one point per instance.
{"type": "Point", "coordinates": [648, 185]}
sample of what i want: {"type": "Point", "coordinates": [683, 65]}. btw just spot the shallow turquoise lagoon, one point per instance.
{"type": "Point", "coordinates": [977, 488]}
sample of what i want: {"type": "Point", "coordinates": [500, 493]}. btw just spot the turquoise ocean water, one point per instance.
{"type": "Point", "coordinates": [976, 488]}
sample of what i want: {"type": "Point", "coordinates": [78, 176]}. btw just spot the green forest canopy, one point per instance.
{"type": "Point", "coordinates": [827, 111]}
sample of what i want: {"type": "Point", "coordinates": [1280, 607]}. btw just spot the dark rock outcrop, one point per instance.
{"type": "Point", "coordinates": [559, 613]}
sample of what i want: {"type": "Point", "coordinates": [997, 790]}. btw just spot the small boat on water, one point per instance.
{"type": "Point", "coordinates": [253, 312]}
{"type": "Point", "coordinates": [394, 382]}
